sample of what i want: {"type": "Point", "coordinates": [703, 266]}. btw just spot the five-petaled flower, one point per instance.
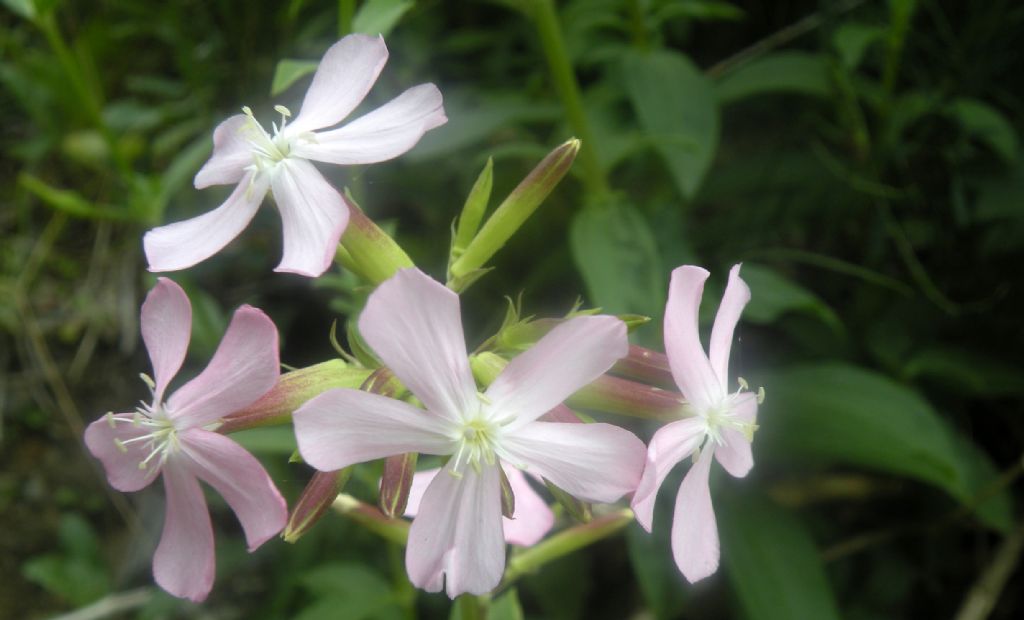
{"type": "Point", "coordinates": [171, 437]}
{"type": "Point", "coordinates": [413, 324]}
{"type": "Point", "coordinates": [313, 214]}
{"type": "Point", "coordinates": [720, 424]}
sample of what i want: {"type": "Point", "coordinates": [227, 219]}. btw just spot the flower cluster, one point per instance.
{"type": "Point", "coordinates": [491, 433]}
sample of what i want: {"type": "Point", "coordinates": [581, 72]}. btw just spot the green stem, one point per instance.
{"type": "Point", "coordinates": [472, 607]}
{"type": "Point", "coordinates": [346, 11]}
{"type": "Point", "coordinates": [550, 32]}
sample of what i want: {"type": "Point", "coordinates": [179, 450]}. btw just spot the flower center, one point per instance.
{"type": "Point", "coordinates": [477, 441]}
{"type": "Point", "coordinates": [160, 441]}
{"type": "Point", "coordinates": [722, 415]}
{"type": "Point", "coordinates": [267, 150]}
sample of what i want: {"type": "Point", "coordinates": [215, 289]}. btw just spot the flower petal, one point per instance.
{"type": "Point", "coordinates": [184, 564]}
{"type": "Point", "coordinates": [231, 154]}
{"type": "Point", "coordinates": [183, 244]}
{"type": "Point", "coordinates": [670, 445]}
{"type": "Point", "coordinates": [346, 73]}
{"type": "Point", "coordinates": [414, 325]}
{"type": "Point", "coordinates": [342, 427]}
{"type": "Point", "coordinates": [313, 215]}
{"type": "Point", "coordinates": [243, 369]}
{"type": "Point", "coordinates": [166, 329]}
{"type": "Point", "coordinates": [694, 531]}
{"type": "Point", "coordinates": [420, 481]}
{"type": "Point", "coordinates": [690, 367]}
{"type": "Point", "coordinates": [457, 534]}
{"type": "Point", "coordinates": [382, 134]}
{"type": "Point", "coordinates": [736, 296]}
{"type": "Point", "coordinates": [532, 518]}
{"type": "Point", "coordinates": [594, 462]}
{"type": "Point", "coordinates": [122, 467]}
{"type": "Point", "coordinates": [567, 358]}
{"type": "Point", "coordinates": [734, 454]}
{"type": "Point", "coordinates": [241, 481]}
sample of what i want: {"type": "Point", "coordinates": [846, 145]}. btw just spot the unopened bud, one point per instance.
{"type": "Point", "coordinates": [316, 498]}
{"type": "Point", "coordinates": [624, 397]}
{"type": "Point", "coordinates": [508, 497]}
{"type": "Point", "coordinates": [561, 413]}
{"type": "Point", "coordinates": [646, 366]}
{"type": "Point", "coordinates": [577, 509]}
{"type": "Point", "coordinates": [292, 390]}
{"type": "Point", "coordinates": [396, 483]}
{"type": "Point", "coordinates": [370, 251]}
{"type": "Point", "coordinates": [512, 212]}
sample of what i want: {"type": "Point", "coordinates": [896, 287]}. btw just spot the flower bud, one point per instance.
{"type": "Point", "coordinates": [316, 498]}
{"type": "Point", "coordinates": [292, 390]}
{"type": "Point", "coordinates": [473, 212]}
{"type": "Point", "coordinates": [646, 366]}
{"type": "Point", "coordinates": [396, 483]}
{"type": "Point", "coordinates": [578, 509]}
{"type": "Point", "coordinates": [511, 214]}
{"type": "Point", "coordinates": [368, 250]}
{"type": "Point", "coordinates": [623, 397]}
{"type": "Point", "coordinates": [508, 497]}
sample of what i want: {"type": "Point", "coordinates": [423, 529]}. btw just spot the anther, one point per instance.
{"type": "Point", "coordinates": [120, 445]}
{"type": "Point", "coordinates": [148, 381]}
{"type": "Point", "coordinates": [283, 111]}
{"type": "Point", "coordinates": [760, 395]}
{"type": "Point", "coordinates": [743, 383]}
{"type": "Point", "coordinates": [111, 420]}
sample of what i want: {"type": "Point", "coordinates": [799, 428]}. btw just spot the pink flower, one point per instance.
{"type": "Point", "coordinates": [530, 521]}
{"type": "Point", "coordinates": [456, 540]}
{"type": "Point", "coordinates": [169, 437]}
{"type": "Point", "coordinates": [720, 424]}
{"type": "Point", "coordinates": [313, 213]}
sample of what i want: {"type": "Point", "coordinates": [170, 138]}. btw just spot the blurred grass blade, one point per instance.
{"type": "Point", "coordinates": [289, 71]}
{"type": "Point", "coordinates": [380, 16]}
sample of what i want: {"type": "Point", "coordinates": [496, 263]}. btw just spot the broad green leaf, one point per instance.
{"type": "Point", "coordinates": [772, 562]}
{"type": "Point", "coordinates": [772, 296]}
{"type": "Point", "coordinates": [988, 125]}
{"type": "Point", "coordinates": [380, 16]}
{"type": "Point", "coordinates": [971, 372]}
{"type": "Point", "coordinates": [853, 39]}
{"type": "Point", "coordinates": [676, 106]}
{"type": "Point", "coordinates": [615, 252]}
{"type": "Point", "coordinates": [289, 71]}
{"type": "Point", "coordinates": [800, 73]}
{"type": "Point", "coordinates": [656, 571]}
{"type": "Point", "coordinates": [703, 10]}
{"type": "Point", "coordinates": [837, 413]}
{"type": "Point", "coordinates": [350, 591]}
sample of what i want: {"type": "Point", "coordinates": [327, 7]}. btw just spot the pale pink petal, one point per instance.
{"type": "Point", "coordinates": [184, 562]}
{"type": "Point", "coordinates": [694, 531]}
{"type": "Point", "coordinates": [242, 370]}
{"type": "Point", "coordinates": [532, 518]}
{"type": "Point", "coordinates": [530, 521]}
{"type": "Point", "coordinates": [690, 367]}
{"type": "Point", "coordinates": [313, 215]}
{"type": "Point", "coordinates": [734, 454]}
{"type": "Point", "coordinates": [736, 296]}
{"type": "Point", "coordinates": [183, 244]}
{"type": "Point", "coordinates": [566, 359]}
{"type": "Point", "coordinates": [166, 329]}
{"type": "Point", "coordinates": [122, 467]}
{"type": "Point", "coordinates": [383, 134]}
{"type": "Point", "coordinates": [231, 154]}
{"type": "Point", "coordinates": [345, 75]}
{"type": "Point", "coordinates": [420, 481]}
{"type": "Point", "coordinates": [342, 427]}
{"type": "Point", "coordinates": [456, 539]}
{"type": "Point", "coordinates": [594, 462]}
{"type": "Point", "coordinates": [670, 445]}
{"type": "Point", "coordinates": [413, 324]}
{"type": "Point", "coordinates": [241, 481]}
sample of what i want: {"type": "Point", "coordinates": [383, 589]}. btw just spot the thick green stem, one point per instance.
{"type": "Point", "coordinates": [550, 31]}
{"type": "Point", "coordinates": [472, 607]}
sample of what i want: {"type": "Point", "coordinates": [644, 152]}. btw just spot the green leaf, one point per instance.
{"type": "Point", "coordinates": [289, 71]}
{"type": "Point", "coordinates": [772, 296]}
{"type": "Point", "coordinates": [676, 106]}
{"type": "Point", "coordinates": [656, 571]}
{"type": "Point", "coordinates": [970, 372]}
{"type": "Point", "coordinates": [350, 591]}
{"type": "Point", "coordinates": [988, 125]}
{"type": "Point", "coordinates": [799, 73]}
{"type": "Point", "coordinates": [837, 413]}
{"type": "Point", "coordinates": [380, 16]}
{"type": "Point", "coordinates": [853, 39]}
{"type": "Point", "coordinates": [616, 254]}
{"type": "Point", "coordinates": [772, 562]}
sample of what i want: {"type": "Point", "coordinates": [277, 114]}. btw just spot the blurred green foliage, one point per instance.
{"type": "Point", "coordinates": [862, 158]}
